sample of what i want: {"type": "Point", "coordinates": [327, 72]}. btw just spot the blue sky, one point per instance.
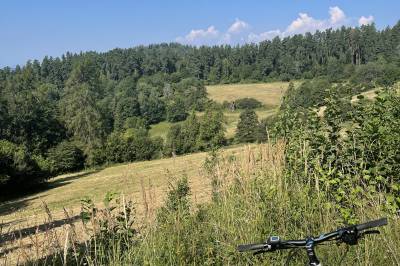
{"type": "Point", "coordinates": [33, 29]}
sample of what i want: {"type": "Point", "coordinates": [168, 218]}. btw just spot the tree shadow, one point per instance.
{"type": "Point", "coordinates": [15, 205]}
{"type": "Point", "coordinates": [16, 201]}
{"type": "Point", "coordinates": [5, 251]}
{"type": "Point", "coordinates": [22, 233]}
{"type": "Point", "coordinates": [67, 180]}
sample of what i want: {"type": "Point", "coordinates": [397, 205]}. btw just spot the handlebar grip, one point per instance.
{"type": "Point", "coordinates": [371, 224]}
{"type": "Point", "coordinates": [252, 247]}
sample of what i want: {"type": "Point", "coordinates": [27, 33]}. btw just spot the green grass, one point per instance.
{"type": "Point", "coordinates": [160, 130]}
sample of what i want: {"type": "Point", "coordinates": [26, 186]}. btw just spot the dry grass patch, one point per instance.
{"type": "Point", "coordinates": [269, 94]}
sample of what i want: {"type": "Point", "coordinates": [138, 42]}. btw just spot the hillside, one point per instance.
{"type": "Point", "coordinates": [269, 93]}
{"type": "Point", "coordinates": [129, 179]}
{"type": "Point", "coordinates": [145, 183]}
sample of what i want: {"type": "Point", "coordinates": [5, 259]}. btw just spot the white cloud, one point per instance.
{"type": "Point", "coordinates": [337, 15]}
{"type": "Point", "coordinates": [268, 35]}
{"type": "Point", "coordinates": [238, 32]}
{"type": "Point", "coordinates": [201, 36]}
{"type": "Point", "coordinates": [304, 23]}
{"type": "Point", "coordinates": [238, 26]}
{"type": "Point", "coordinates": [365, 20]}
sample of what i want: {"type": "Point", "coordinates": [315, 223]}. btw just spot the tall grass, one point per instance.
{"type": "Point", "coordinates": [260, 202]}
{"type": "Point", "coordinates": [253, 198]}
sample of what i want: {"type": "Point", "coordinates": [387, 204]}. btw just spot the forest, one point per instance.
{"type": "Point", "coordinates": [89, 109]}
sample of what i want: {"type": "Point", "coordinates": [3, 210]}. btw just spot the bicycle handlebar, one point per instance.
{"type": "Point", "coordinates": [371, 224]}
{"type": "Point", "coordinates": [348, 235]}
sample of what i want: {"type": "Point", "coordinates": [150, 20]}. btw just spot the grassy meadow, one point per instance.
{"type": "Point", "coordinates": [145, 183]}
{"type": "Point", "coordinates": [130, 179]}
{"type": "Point", "coordinates": [269, 94]}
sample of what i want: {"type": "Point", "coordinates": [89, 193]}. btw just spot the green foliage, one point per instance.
{"type": "Point", "coordinates": [309, 94]}
{"type": "Point", "coordinates": [17, 168]}
{"type": "Point", "coordinates": [132, 145]}
{"type": "Point", "coordinates": [211, 130]}
{"type": "Point", "coordinates": [247, 103]}
{"type": "Point", "coordinates": [65, 157]}
{"type": "Point", "coordinates": [80, 110]}
{"type": "Point", "coordinates": [196, 134]}
{"type": "Point", "coordinates": [174, 142]}
{"type": "Point", "coordinates": [192, 92]}
{"type": "Point", "coordinates": [125, 109]}
{"type": "Point", "coordinates": [85, 97]}
{"type": "Point", "coordinates": [178, 196]}
{"type": "Point", "coordinates": [176, 110]}
{"type": "Point", "coordinates": [248, 211]}
{"type": "Point", "coordinates": [248, 127]}
{"type": "Point", "coordinates": [352, 151]}
{"type": "Point", "coordinates": [136, 122]}
{"type": "Point", "coordinates": [182, 138]}
{"type": "Point", "coordinates": [380, 72]}
{"type": "Point", "coordinates": [111, 231]}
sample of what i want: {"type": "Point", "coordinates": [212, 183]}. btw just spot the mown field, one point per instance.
{"type": "Point", "coordinates": [132, 180]}
{"type": "Point", "coordinates": [270, 94]}
{"type": "Point", "coordinates": [145, 183]}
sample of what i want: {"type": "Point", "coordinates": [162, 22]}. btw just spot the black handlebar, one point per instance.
{"type": "Point", "coordinates": [252, 247]}
{"type": "Point", "coordinates": [371, 224]}
{"type": "Point", "coordinates": [348, 235]}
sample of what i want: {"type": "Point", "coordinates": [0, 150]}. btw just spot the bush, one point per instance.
{"type": "Point", "coordinates": [132, 145]}
{"type": "Point", "coordinates": [247, 103]}
{"type": "Point", "coordinates": [65, 157]}
{"type": "Point", "coordinates": [182, 138]}
{"type": "Point", "coordinates": [17, 168]}
{"type": "Point", "coordinates": [176, 110]}
{"type": "Point", "coordinates": [248, 127]}
{"type": "Point", "coordinates": [211, 130]}
{"type": "Point", "coordinates": [367, 73]}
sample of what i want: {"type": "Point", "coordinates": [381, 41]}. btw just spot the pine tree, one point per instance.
{"type": "Point", "coordinates": [248, 126]}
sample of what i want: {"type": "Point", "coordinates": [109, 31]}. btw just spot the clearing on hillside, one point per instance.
{"type": "Point", "coordinates": [269, 93]}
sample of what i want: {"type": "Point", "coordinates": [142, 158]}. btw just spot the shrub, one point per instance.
{"type": "Point", "coordinates": [17, 168]}
{"type": "Point", "coordinates": [65, 157]}
{"type": "Point", "coordinates": [211, 130]}
{"type": "Point", "coordinates": [176, 110]}
{"type": "Point", "coordinates": [247, 103]}
{"type": "Point", "coordinates": [131, 145]}
{"type": "Point", "coordinates": [247, 128]}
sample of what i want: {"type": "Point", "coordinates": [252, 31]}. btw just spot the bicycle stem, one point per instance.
{"type": "Point", "coordinates": [313, 260]}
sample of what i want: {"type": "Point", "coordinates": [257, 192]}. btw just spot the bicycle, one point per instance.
{"type": "Point", "coordinates": [348, 235]}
